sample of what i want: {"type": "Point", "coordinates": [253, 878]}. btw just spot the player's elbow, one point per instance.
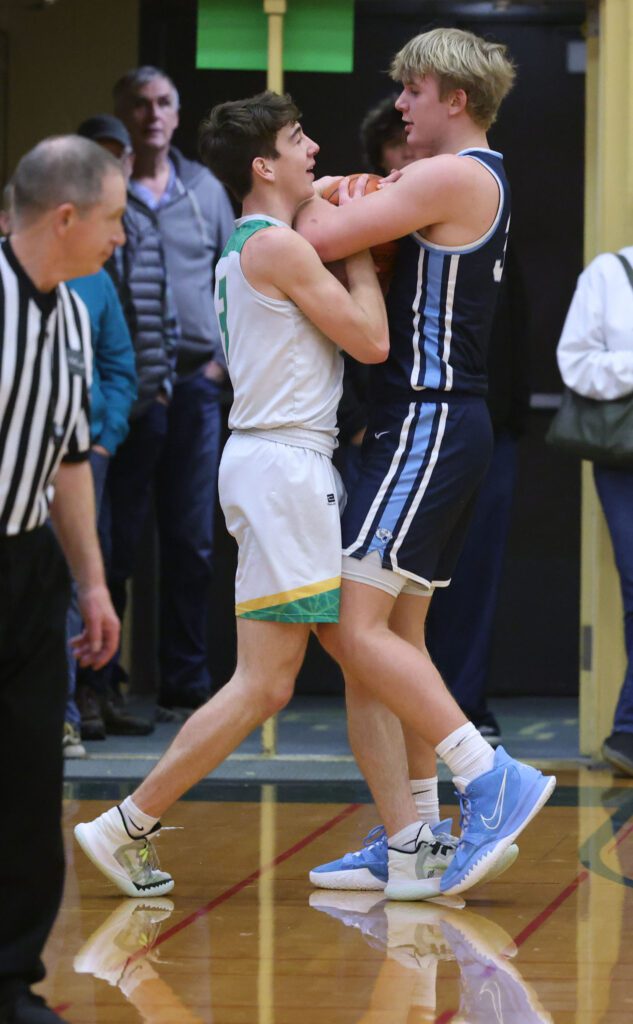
{"type": "Point", "coordinates": [377, 350]}
{"type": "Point", "coordinates": [383, 349]}
{"type": "Point", "coordinates": [326, 252]}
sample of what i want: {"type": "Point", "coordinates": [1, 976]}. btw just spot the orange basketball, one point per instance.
{"type": "Point", "coordinates": [384, 255]}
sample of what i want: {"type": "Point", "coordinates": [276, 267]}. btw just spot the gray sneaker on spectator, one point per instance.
{"type": "Point", "coordinates": [71, 742]}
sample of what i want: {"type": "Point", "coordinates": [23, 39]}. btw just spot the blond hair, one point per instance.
{"type": "Point", "coordinates": [459, 60]}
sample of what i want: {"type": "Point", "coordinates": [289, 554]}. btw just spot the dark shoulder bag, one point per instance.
{"type": "Point", "coordinates": [596, 429]}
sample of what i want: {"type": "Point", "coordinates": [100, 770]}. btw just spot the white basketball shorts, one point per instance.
{"type": "Point", "coordinates": [281, 503]}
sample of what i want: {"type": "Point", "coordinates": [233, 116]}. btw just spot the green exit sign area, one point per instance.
{"type": "Point", "coordinates": [318, 35]}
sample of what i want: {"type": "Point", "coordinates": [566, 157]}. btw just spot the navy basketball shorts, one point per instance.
{"type": "Point", "coordinates": [421, 466]}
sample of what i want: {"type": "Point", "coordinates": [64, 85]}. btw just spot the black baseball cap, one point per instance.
{"type": "Point", "coordinates": [105, 126]}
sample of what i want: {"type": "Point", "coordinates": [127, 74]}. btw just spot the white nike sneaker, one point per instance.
{"type": "Point", "coordinates": [130, 863]}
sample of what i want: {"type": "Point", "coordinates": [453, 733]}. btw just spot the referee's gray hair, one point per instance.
{"type": "Point", "coordinates": [134, 79]}
{"type": "Point", "coordinates": [61, 169]}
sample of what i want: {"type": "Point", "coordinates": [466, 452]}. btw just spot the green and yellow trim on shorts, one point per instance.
{"type": "Point", "coordinates": [316, 602]}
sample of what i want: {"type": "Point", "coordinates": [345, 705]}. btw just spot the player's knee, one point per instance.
{"type": "Point", "coordinates": [341, 641]}
{"type": "Point", "coordinates": [276, 693]}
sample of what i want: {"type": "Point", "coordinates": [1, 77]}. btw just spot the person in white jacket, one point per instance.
{"type": "Point", "coordinates": [595, 359]}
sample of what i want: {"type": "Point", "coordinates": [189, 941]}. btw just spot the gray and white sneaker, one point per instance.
{"type": "Point", "coordinates": [417, 875]}
{"type": "Point", "coordinates": [130, 863]}
{"type": "Point", "coordinates": [71, 742]}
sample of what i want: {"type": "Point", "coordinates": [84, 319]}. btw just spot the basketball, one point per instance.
{"type": "Point", "coordinates": [384, 255]}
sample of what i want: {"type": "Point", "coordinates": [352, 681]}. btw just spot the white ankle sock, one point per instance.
{"type": "Point", "coordinates": [466, 752]}
{"type": "Point", "coordinates": [424, 792]}
{"type": "Point", "coordinates": [405, 839]}
{"type": "Point", "coordinates": [136, 821]}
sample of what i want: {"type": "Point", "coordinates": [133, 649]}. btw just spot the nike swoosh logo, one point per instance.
{"type": "Point", "coordinates": [495, 997]}
{"type": "Point", "coordinates": [494, 820]}
{"type": "Point", "coordinates": [381, 434]}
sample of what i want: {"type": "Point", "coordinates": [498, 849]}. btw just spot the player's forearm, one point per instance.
{"type": "Point", "coordinates": [365, 291]}
{"type": "Point", "coordinates": [74, 519]}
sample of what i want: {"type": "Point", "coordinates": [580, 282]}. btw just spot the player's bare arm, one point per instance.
{"type": "Point", "coordinates": [279, 263]}
{"type": "Point", "coordinates": [451, 199]}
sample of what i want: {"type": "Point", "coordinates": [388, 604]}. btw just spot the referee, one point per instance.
{"type": "Point", "coordinates": [68, 200]}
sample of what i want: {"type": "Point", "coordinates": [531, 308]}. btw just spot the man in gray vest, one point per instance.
{"type": "Point", "coordinates": [193, 216]}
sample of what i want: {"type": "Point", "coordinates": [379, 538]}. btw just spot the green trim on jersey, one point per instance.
{"type": "Point", "coordinates": [242, 234]}
{"type": "Point", "coordinates": [315, 608]}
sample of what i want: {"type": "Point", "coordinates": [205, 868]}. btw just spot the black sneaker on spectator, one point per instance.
{"type": "Point", "coordinates": [617, 749]}
{"type": "Point", "coordinates": [92, 724]}
{"type": "Point", "coordinates": [118, 722]}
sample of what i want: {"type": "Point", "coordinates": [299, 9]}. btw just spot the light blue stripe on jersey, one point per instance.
{"type": "Point", "coordinates": [404, 487]}
{"type": "Point", "coordinates": [432, 360]}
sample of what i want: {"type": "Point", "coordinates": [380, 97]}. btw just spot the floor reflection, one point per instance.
{"type": "Point", "coordinates": [122, 951]}
{"type": "Point", "coordinates": [417, 938]}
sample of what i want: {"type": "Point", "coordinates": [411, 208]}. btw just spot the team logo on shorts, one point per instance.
{"type": "Point", "coordinates": [384, 534]}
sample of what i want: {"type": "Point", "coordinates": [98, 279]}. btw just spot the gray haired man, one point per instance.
{"type": "Point", "coordinates": [191, 211]}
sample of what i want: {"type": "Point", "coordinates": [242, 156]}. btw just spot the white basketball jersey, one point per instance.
{"type": "Point", "coordinates": [287, 376]}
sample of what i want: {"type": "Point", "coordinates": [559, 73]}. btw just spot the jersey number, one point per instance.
{"type": "Point", "coordinates": [497, 270]}
{"type": "Point", "coordinates": [224, 330]}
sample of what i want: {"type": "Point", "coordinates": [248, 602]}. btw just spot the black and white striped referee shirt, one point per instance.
{"type": "Point", "coordinates": [45, 374]}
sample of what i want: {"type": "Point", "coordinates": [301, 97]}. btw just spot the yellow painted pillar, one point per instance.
{"type": "Point", "coordinates": [608, 227]}
{"type": "Point", "coordinates": [275, 10]}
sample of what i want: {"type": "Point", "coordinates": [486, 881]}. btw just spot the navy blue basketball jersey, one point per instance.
{"type": "Point", "coordinates": [440, 306]}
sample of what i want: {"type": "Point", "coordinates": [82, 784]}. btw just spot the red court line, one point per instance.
{"type": "Point", "coordinates": [533, 926]}
{"type": "Point", "coordinates": [226, 895]}
{"type": "Point", "coordinates": [234, 889]}
{"type": "Point", "coordinates": [541, 918]}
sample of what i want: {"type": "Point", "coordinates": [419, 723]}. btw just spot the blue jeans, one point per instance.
{"type": "Point", "coordinates": [615, 489]}
{"type": "Point", "coordinates": [461, 617]}
{"type": "Point", "coordinates": [99, 466]}
{"type": "Point", "coordinates": [186, 493]}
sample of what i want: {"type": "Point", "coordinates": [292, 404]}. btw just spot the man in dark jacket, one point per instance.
{"type": "Point", "coordinates": [139, 272]}
{"type": "Point", "coordinates": [191, 212]}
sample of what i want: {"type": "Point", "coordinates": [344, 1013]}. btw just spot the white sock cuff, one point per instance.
{"type": "Point", "coordinates": [136, 821]}
{"type": "Point", "coordinates": [454, 739]}
{"type": "Point", "coordinates": [405, 837]}
{"type": "Point", "coordinates": [423, 784]}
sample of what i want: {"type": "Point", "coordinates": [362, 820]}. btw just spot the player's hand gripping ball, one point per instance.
{"type": "Point", "coordinates": [384, 255]}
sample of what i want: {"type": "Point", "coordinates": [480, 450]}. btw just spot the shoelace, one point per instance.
{"type": "Point", "coordinates": [446, 839]}
{"type": "Point", "coordinates": [375, 835]}
{"type": "Point", "coordinates": [139, 859]}
{"type": "Point", "coordinates": [373, 838]}
{"type": "Point", "coordinates": [148, 858]}
{"type": "Point", "coordinates": [464, 812]}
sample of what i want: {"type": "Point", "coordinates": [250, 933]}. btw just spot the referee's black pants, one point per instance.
{"type": "Point", "coordinates": [34, 593]}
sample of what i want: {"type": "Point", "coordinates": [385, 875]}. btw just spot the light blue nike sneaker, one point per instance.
{"type": "Point", "coordinates": [366, 869]}
{"type": "Point", "coordinates": [495, 808]}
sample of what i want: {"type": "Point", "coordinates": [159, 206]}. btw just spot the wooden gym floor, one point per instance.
{"type": "Point", "coordinates": [246, 940]}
